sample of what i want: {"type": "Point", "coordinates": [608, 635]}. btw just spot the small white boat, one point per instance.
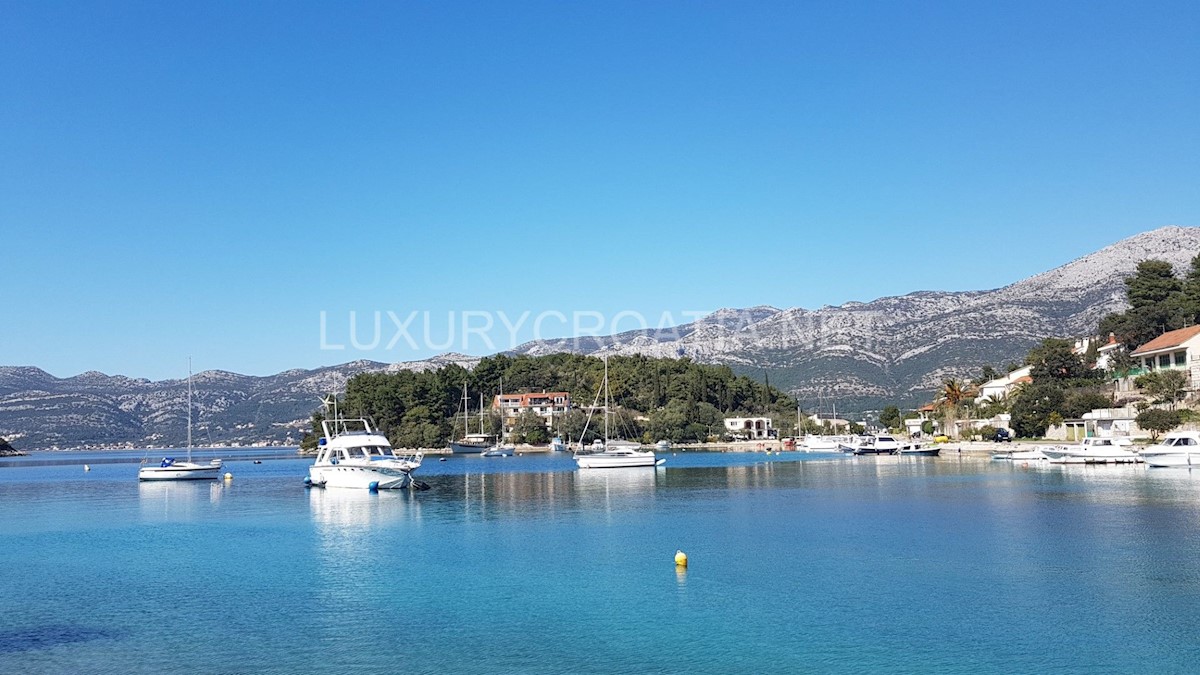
{"type": "Point", "coordinates": [499, 450]}
{"type": "Point", "coordinates": [820, 444]}
{"type": "Point", "coordinates": [1093, 450]}
{"type": "Point", "coordinates": [662, 446]}
{"type": "Point", "coordinates": [1033, 454]}
{"type": "Point", "coordinates": [353, 455]}
{"type": "Point", "coordinates": [872, 445]}
{"type": "Point", "coordinates": [918, 449]}
{"type": "Point", "coordinates": [170, 468]}
{"type": "Point", "coordinates": [557, 444]}
{"type": "Point", "coordinates": [1180, 448]}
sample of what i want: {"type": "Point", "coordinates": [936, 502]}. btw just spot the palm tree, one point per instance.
{"type": "Point", "coordinates": [953, 391]}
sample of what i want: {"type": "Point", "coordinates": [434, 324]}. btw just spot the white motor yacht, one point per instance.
{"type": "Point", "coordinates": [1093, 450]}
{"type": "Point", "coordinates": [872, 445]}
{"type": "Point", "coordinates": [1180, 448]}
{"type": "Point", "coordinates": [353, 455]}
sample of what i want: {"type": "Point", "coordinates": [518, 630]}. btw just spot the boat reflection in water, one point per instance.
{"type": "Point", "coordinates": [167, 501]}
{"type": "Point", "coordinates": [629, 487]}
{"type": "Point", "coordinates": [338, 511]}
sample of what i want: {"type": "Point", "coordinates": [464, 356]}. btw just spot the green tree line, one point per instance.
{"type": "Point", "coordinates": [652, 399]}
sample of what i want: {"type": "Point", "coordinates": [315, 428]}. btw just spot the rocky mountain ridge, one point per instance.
{"type": "Point", "coordinates": [857, 355]}
{"type": "Point", "coordinates": [897, 349]}
{"type": "Point", "coordinates": [97, 410]}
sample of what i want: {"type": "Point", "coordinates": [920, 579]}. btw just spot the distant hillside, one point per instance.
{"type": "Point", "coordinates": [897, 349]}
{"type": "Point", "coordinates": [94, 409]}
{"type": "Point", "coordinates": [857, 356]}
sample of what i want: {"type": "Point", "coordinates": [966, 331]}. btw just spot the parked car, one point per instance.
{"type": "Point", "coordinates": [1002, 436]}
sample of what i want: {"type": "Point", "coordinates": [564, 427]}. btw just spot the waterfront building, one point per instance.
{"type": "Point", "coordinates": [1173, 350]}
{"type": "Point", "coordinates": [749, 428]}
{"type": "Point", "coordinates": [546, 404]}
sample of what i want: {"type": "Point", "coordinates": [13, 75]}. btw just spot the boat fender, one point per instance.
{"type": "Point", "coordinates": [373, 487]}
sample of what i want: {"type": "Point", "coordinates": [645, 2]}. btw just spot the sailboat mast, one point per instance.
{"type": "Point", "coordinates": [481, 412]}
{"type": "Point", "coordinates": [466, 421]}
{"type": "Point", "coordinates": [189, 434]}
{"type": "Point", "coordinates": [606, 401]}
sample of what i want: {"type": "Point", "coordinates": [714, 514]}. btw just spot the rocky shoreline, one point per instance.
{"type": "Point", "coordinates": [7, 450]}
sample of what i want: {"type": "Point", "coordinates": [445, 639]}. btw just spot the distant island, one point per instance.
{"type": "Point", "coordinates": [7, 450]}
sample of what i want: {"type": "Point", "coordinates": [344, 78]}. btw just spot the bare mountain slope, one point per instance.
{"type": "Point", "coordinates": [898, 348]}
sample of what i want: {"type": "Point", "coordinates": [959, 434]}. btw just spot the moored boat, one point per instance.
{"type": "Point", "coordinates": [499, 450]}
{"type": "Point", "coordinates": [1177, 449]}
{"type": "Point", "coordinates": [615, 454]}
{"type": "Point", "coordinates": [351, 454]}
{"type": "Point", "coordinates": [1093, 450]}
{"type": "Point", "coordinates": [918, 449]}
{"type": "Point", "coordinates": [814, 443]}
{"type": "Point", "coordinates": [472, 443]}
{"type": "Point", "coordinates": [872, 445]}
{"type": "Point", "coordinates": [170, 468]}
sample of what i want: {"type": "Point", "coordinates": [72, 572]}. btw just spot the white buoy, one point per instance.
{"type": "Point", "coordinates": [228, 476]}
{"type": "Point", "coordinates": [86, 467]}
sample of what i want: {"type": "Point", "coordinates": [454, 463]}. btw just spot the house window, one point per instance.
{"type": "Point", "coordinates": [1181, 358]}
{"type": "Point", "coordinates": [1149, 364]}
{"type": "Point", "coordinates": [1164, 360]}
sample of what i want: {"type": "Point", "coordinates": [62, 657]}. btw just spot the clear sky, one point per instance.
{"type": "Point", "coordinates": [205, 179]}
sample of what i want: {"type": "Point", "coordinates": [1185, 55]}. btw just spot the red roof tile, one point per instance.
{"type": "Point", "coordinates": [1172, 338]}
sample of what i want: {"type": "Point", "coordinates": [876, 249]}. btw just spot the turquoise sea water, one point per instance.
{"type": "Point", "coordinates": [799, 563]}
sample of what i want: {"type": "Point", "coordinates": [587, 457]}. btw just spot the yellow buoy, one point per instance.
{"type": "Point", "coordinates": [681, 558]}
{"type": "Point", "coordinates": [228, 476]}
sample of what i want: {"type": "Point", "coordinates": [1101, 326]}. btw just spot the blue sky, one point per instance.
{"type": "Point", "coordinates": [207, 178]}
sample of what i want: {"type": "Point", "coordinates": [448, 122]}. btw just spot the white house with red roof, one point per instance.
{"type": "Point", "coordinates": [547, 404]}
{"type": "Point", "coordinates": [1173, 350]}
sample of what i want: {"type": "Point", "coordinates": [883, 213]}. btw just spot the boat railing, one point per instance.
{"type": "Point", "coordinates": [343, 427]}
{"type": "Point", "coordinates": [414, 457]}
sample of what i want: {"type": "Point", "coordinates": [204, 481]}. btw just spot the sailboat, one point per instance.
{"type": "Point", "coordinates": [500, 448]}
{"type": "Point", "coordinates": [615, 454]}
{"type": "Point", "coordinates": [471, 443]}
{"type": "Point", "coordinates": [172, 469]}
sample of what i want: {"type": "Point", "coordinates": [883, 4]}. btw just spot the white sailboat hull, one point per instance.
{"type": "Point", "coordinates": [181, 471]}
{"type": "Point", "coordinates": [621, 460]}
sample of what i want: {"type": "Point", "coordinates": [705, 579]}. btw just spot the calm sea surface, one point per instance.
{"type": "Point", "coordinates": [799, 563]}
